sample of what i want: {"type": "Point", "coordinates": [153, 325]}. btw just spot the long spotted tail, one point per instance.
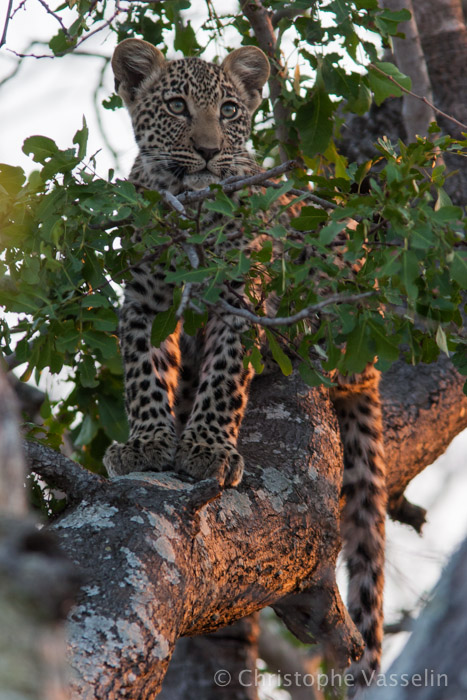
{"type": "Point", "coordinates": [358, 407]}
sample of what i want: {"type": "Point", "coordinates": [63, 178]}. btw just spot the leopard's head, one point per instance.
{"type": "Point", "coordinates": [191, 118]}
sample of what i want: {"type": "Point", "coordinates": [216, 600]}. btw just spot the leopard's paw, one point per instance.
{"type": "Point", "coordinates": [203, 461]}
{"type": "Point", "coordinates": [154, 452]}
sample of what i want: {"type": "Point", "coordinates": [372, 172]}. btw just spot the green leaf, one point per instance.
{"type": "Point", "coordinates": [441, 340]}
{"type": "Point", "coordinates": [60, 43]}
{"type": "Point", "coordinates": [379, 76]}
{"type": "Point", "coordinates": [191, 275]}
{"type": "Point", "coordinates": [112, 417]}
{"type": "Point", "coordinates": [87, 372]}
{"type": "Point", "coordinates": [185, 39]}
{"type": "Point", "coordinates": [459, 268]}
{"type": "Point", "coordinates": [314, 123]}
{"type": "Point", "coordinates": [410, 272]}
{"type": "Point", "coordinates": [222, 204]}
{"type": "Point", "coordinates": [101, 319]}
{"type": "Point", "coordinates": [256, 359]}
{"type": "Point", "coordinates": [329, 232]}
{"type": "Point", "coordinates": [68, 338]}
{"type": "Point", "coordinates": [309, 375]}
{"type": "Point", "coordinates": [192, 321]}
{"type": "Point", "coordinates": [385, 349]}
{"type": "Point", "coordinates": [11, 178]}
{"type": "Point", "coordinates": [357, 351]}
{"type": "Point", "coordinates": [459, 360]}
{"type": "Point", "coordinates": [92, 268]}
{"type": "Point", "coordinates": [113, 102]}
{"type": "Point", "coordinates": [81, 139]}
{"type": "Point", "coordinates": [163, 325]}
{"type": "Point", "coordinates": [41, 148]}
{"type": "Point", "coordinates": [279, 355]}
{"type": "Point", "coordinates": [362, 102]}
{"type": "Point", "coordinates": [422, 237]}
{"type": "Point", "coordinates": [447, 213]}
{"type": "Point", "coordinates": [87, 432]}
{"type": "Point", "coordinates": [309, 219]}
{"type": "Point", "coordinates": [105, 344]}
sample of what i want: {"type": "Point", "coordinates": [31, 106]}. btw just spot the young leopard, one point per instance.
{"type": "Point", "coordinates": [185, 400]}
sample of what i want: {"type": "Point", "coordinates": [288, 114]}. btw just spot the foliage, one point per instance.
{"type": "Point", "coordinates": [66, 234]}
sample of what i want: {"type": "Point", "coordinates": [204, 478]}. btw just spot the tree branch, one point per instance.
{"type": "Point", "coordinates": [288, 12]}
{"type": "Point", "coordinates": [5, 26]}
{"type": "Point", "coordinates": [229, 187]}
{"type": "Point", "coordinates": [308, 312]}
{"type": "Point", "coordinates": [182, 568]}
{"type": "Point", "coordinates": [61, 472]}
{"type": "Point", "coordinates": [419, 97]}
{"type": "Point", "coordinates": [262, 26]}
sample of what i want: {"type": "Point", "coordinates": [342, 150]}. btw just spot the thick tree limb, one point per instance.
{"type": "Point", "coordinates": [61, 472]}
{"type": "Point", "coordinates": [159, 564]}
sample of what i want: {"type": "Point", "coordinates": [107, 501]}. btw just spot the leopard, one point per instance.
{"type": "Point", "coordinates": [185, 400]}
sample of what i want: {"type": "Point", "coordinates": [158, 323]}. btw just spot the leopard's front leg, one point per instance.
{"type": "Point", "coordinates": [208, 444]}
{"type": "Point", "coordinates": [151, 376]}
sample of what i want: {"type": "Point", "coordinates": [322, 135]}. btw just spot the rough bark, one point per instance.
{"type": "Point", "coordinates": [160, 564]}
{"type": "Point", "coordinates": [432, 664]}
{"type": "Point", "coordinates": [35, 582]}
{"type": "Point", "coordinates": [427, 401]}
{"type": "Point", "coordinates": [163, 558]}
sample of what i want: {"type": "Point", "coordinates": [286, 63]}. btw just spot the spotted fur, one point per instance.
{"type": "Point", "coordinates": [185, 400]}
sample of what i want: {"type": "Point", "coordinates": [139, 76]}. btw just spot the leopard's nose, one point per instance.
{"type": "Point", "coordinates": [207, 153]}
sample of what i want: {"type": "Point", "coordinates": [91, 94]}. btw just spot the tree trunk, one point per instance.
{"type": "Point", "coordinates": [164, 558]}
{"type": "Point", "coordinates": [410, 60]}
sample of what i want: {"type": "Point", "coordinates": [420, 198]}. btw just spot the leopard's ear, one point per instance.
{"type": "Point", "coordinates": [132, 62]}
{"type": "Point", "coordinates": [248, 67]}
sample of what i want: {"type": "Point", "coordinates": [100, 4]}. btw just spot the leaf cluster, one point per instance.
{"type": "Point", "coordinates": [68, 237]}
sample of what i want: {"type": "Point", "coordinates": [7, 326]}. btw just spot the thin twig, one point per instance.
{"type": "Point", "coordinates": [419, 97]}
{"type": "Point", "coordinates": [229, 187]}
{"type": "Point", "coordinates": [288, 12]}
{"type": "Point", "coordinates": [55, 16]}
{"type": "Point", "coordinates": [5, 26]}
{"type": "Point", "coordinates": [189, 249]}
{"type": "Point", "coordinates": [303, 193]}
{"type": "Point", "coordinates": [308, 312]}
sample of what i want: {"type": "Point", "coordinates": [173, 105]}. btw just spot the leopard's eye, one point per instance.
{"type": "Point", "coordinates": [177, 105]}
{"type": "Point", "coordinates": [229, 110]}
